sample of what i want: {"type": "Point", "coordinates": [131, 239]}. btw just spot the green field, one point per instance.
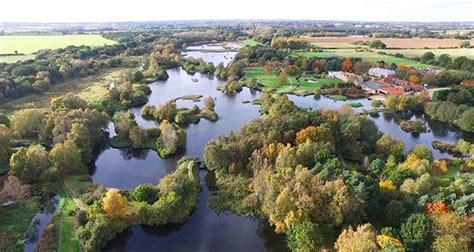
{"type": "Point", "coordinates": [271, 81]}
{"type": "Point", "coordinates": [365, 55]}
{"type": "Point", "coordinates": [29, 44]}
{"type": "Point", "coordinates": [250, 42]}
{"type": "Point", "coordinates": [454, 53]}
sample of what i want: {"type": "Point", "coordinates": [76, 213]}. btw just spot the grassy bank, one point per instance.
{"type": "Point", "coordinates": [14, 223]}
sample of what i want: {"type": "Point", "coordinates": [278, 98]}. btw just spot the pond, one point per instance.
{"type": "Point", "coordinates": [390, 123]}
{"type": "Point", "coordinates": [206, 230]}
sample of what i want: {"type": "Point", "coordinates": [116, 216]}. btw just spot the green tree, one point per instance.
{"type": "Point", "coordinates": [4, 120]}
{"type": "Point", "coordinates": [305, 236]}
{"type": "Point", "coordinates": [27, 122]}
{"type": "Point", "coordinates": [416, 232]}
{"type": "Point", "coordinates": [5, 142]}
{"type": "Point", "coordinates": [145, 193]}
{"type": "Point", "coordinates": [422, 152]}
{"type": "Point", "coordinates": [427, 56]}
{"type": "Point", "coordinates": [66, 157]}
{"type": "Point", "coordinates": [378, 44]}
{"type": "Point", "coordinates": [28, 163]}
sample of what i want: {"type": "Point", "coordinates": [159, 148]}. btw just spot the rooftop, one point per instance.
{"type": "Point", "coordinates": [468, 82]}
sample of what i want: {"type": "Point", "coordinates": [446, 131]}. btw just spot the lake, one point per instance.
{"type": "Point", "coordinates": [207, 230]}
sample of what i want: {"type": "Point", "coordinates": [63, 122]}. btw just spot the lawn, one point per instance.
{"type": "Point", "coordinates": [250, 42]}
{"type": "Point", "coordinates": [365, 55]}
{"type": "Point", "coordinates": [31, 44]}
{"type": "Point", "coordinates": [271, 81]}
{"type": "Point", "coordinates": [14, 223]}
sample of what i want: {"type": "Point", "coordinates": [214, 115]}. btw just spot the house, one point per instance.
{"type": "Point", "coordinates": [467, 83]}
{"type": "Point", "coordinates": [371, 87]}
{"type": "Point", "coordinates": [381, 72]}
{"type": "Point", "coordinates": [346, 77]}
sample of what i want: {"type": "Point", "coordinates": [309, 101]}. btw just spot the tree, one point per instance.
{"type": "Point", "coordinates": [5, 142]}
{"type": "Point", "coordinates": [421, 152]}
{"type": "Point", "coordinates": [316, 134]}
{"type": "Point", "coordinates": [268, 68]}
{"type": "Point", "coordinates": [465, 44]}
{"type": "Point", "coordinates": [465, 121]}
{"type": "Point", "coordinates": [66, 157]}
{"type": "Point", "coordinates": [347, 65]}
{"type": "Point", "coordinates": [27, 122]}
{"type": "Point", "coordinates": [378, 44]}
{"type": "Point", "coordinates": [171, 140]}
{"type": "Point", "coordinates": [414, 79]}
{"type": "Point", "coordinates": [282, 77]}
{"type": "Point", "coordinates": [4, 120]}
{"type": "Point", "coordinates": [427, 56]}
{"type": "Point", "coordinates": [28, 163]}
{"type": "Point", "coordinates": [114, 204]}
{"type": "Point", "coordinates": [209, 103]}
{"type": "Point", "coordinates": [416, 232]}
{"type": "Point", "coordinates": [444, 60]}
{"type": "Point", "coordinates": [362, 67]}
{"type": "Point", "coordinates": [445, 243]}
{"type": "Point", "coordinates": [452, 224]}
{"type": "Point", "coordinates": [377, 103]}
{"type": "Point", "coordinates": [305, 236]}
{"type": "Point", "coordinates": [145, 193]}
{"type": "Point", "coordinates": [362, 239]}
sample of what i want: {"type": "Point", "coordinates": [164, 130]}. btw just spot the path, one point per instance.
{"type": "Point", "coordinates": [73, 195]}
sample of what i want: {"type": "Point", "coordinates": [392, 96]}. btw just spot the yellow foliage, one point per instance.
{"type": "Point", "coordinates": [114, 204]}
{"type": "Point", "coordinates": [384, 240]}
{"type": "Point", "coordinates": [387, 185]}
{"type": "Point", "coordinates": [415, 164]}
{"type": "Point", "coordinates": [440, 166]}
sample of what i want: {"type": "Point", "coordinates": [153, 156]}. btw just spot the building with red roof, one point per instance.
{"type": "Point", "coordinates": [467, 82]}
{"type": "Point", "coordinates": [394, 90]}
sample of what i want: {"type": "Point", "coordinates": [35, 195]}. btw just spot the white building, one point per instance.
{"type": "Point", "coordinates": [381, 72]}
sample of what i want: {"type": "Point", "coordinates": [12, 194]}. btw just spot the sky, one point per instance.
{"type": "Point", "coordinates": [149, 10]}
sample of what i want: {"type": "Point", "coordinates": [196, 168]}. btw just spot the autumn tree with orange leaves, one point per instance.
{"type": "Point", "coordinates": [347, 65]}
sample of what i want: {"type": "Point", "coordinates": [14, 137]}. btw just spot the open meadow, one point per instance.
{"type": "Point", "coordinates": [347, 42]}
{"type": "Point", "coordinates": [91, 88]}
{"type": "Point", "coordinates": [26, 45]}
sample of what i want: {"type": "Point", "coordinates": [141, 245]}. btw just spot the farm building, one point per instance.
{"type": "Point", "coordinates": [371, 87]}
{"type": "Point", "coordinates": [346, 77]}
{"type": "Point", "coordinates": [381, 72]}
{"type": "Point", "coordinates": [467, 82]}
{"type": "Point", "coordinates": [406, 85]}
{"type": "Point", "coordinates": [393, 90]}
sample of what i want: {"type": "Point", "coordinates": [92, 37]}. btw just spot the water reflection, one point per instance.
{"type": "Point", "coordinates": [205, 231]}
